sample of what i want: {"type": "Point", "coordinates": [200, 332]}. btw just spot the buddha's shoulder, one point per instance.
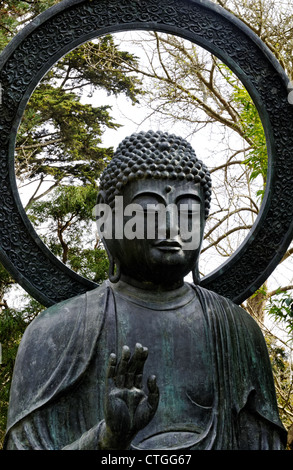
{"type": "Point", "coordinates": [65, 313]}
{"type": "Point", "coordinates": [225, 308]}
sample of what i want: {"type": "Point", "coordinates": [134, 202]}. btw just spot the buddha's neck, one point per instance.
{"type": "Point", "coordinates": [150, 286]}
{"type": "Point", "coordinates": [155, 299]}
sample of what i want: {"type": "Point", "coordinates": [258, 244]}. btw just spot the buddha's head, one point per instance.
{"type": "Point", "coordinates": [158, 194]}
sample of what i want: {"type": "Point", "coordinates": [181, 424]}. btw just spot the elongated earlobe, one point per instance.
{"type": "Point", "coordinates": [114, 275]}
{"type": "Point", "coordinates": [196, 275]}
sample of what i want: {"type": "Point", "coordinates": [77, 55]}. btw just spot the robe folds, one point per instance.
{"type": "Point", "coordinates": [57, 391]}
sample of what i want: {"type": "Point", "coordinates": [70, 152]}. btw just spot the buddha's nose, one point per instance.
{"type": "Point", "coordinates": [172, 225]}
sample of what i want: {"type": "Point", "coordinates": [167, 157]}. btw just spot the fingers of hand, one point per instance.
{"type": "Point", "coordinates": [111, 371]}
{"type": "Point", "coordinates": [122, 367]}
{"type": "Point", "coordinates": [135, 367]}
{"type": "Point", "coordinates": [128, 372]}
{"type": "Point", "coordinates": [154, 394]}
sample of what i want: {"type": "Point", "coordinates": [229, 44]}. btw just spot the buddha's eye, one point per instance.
{"type": "Point", "coordinates": [189, 210]}
{"type": "Point", "coordinates": [188, 206]}
{"type": "Point", "coordinates": [149, 204]}
{"type": "Point", "coordinates": [150, 209]}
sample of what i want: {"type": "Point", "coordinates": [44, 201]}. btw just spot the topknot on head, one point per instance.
{"type": "Point", "coordinates": [154, 155]}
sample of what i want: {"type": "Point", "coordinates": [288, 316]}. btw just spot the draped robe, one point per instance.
{"type": "Point", "coordinates": [210, 358]}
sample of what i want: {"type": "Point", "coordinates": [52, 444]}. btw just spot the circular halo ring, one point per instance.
{"type": "Point", "coordinates": [60, 29]}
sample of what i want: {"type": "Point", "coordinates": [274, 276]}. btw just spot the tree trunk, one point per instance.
{"type": "Point", "coordinates": [255, 305]}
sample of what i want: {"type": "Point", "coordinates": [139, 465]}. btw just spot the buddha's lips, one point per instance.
{"type": "Point", "coordinates": [168, 245]}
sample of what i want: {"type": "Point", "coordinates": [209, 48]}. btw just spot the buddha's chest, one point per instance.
{"type": "Point", "coordinates": [179, 355]}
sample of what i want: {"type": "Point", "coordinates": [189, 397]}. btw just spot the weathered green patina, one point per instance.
{"type": "Point", "coordinates": [200, 375]}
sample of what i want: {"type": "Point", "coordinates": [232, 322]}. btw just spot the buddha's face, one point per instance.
{"type": "Point", "coordinates": [165, 248]}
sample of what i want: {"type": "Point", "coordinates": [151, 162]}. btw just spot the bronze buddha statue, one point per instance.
{"type": "Point", "coordinates": [146, 361]}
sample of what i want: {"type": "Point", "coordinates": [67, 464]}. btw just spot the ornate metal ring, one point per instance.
{"type": "Point", "coordinates": [70, 23]}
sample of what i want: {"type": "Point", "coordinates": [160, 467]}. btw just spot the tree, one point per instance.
{"type": "Point", "coordinates": [60, 135]}
{"type": "Point", "coordinates": [15, 14]}
{"type": "Point", "coordinates": [70, 234]}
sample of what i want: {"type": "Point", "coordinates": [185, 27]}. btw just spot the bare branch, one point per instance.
{"type": "Point", "coordinates": [36, 198]}
{"type": "Point", "coordinates": [38, 145]}
{"type": "Point", "coordinates": [226, 217]}
{"type": "Point", "coordinates": [225, 235]}
{"type": "Point", "coordinates": [288, 253]}
{"type": "Point", "coordinates": [279, 290]}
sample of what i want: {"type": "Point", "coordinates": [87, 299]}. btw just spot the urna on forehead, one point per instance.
{"type": "Point", "coordinates": [154, 155]}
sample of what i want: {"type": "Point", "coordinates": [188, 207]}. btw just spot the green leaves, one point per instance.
{"type": "Point", "coordinates": [61, 131]}
{"type": "Point", "coordinates": [257, 159]}
{"type": "Point", "coordinates": [251, 126]}
{"type": "Point", "coordinates": [61, 137]}
{"type": "Point", "coordinates": [103, 65]}
{"type": "Point", "coordinates": [280, 307]}
{"type": "Point", "coordinates": [14, 13]}
{"type": "Point", "coordinates": [67, 223]}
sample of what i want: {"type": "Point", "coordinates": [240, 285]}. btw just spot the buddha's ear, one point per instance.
{"type": "Point", "coordinates": [101, 200]}
{"type": "Point", "coordinates": [114, 273]}
{"type": "Point", "coordinates": [114, 265]}
{"type": "Point", "coordinates": [196, 275]}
